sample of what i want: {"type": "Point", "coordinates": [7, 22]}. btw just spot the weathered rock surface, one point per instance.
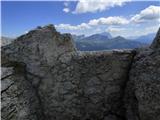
{"type": "Point", "coordinates": [19, 100]}
{"type": "Point", "coordinates": [143, 92]}
{"type": "Point", "coordinates": [45, 78]}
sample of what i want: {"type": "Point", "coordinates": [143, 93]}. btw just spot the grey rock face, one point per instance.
{"type": "Point", "coordinates": [45, 78]}
{"type": "Point", "coordinates": [33, 55]}
{"type": "Point", "coordinates": [19, 100]}
{"type": "Point", "coordinates": [143, 92]}
{"type": "Point", "coordinates": [102, 80]}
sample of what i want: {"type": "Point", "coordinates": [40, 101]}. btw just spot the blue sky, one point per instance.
{"type": "Point", "coordinates": [126, 18]}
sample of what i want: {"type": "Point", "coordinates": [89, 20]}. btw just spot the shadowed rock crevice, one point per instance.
{"type": "Point", "coordinates": [127, 89]}
{"type": "Point", "coordinates": [47, 79]}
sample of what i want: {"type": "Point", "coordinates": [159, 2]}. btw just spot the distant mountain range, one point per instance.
{"type": "Point", "coordinates": [146, 38]}
{"type": "Point", "coordinates": [5, 41]}
{"type": "Point", "coordinates": [104, 41]}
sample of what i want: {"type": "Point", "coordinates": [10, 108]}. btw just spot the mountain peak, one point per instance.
{"type": "Point", "coordinates": [50, 28]}
{"type": "Point", "coordinates": [119, 37]}
{"type": "Point", "coordinates": [96, 37]}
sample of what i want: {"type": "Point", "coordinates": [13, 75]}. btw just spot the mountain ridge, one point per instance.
{"type": "Point", "coordinates": [101, 42]}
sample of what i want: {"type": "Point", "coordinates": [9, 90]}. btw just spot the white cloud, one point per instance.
{"type": "Point", "coordinates": [84, 6]}
{"type": "Point", "coordinates": [115, 29]}
{"type": "Point", "coordinates": [72, 27]}
{"type": "Point", "coordinates": [148, 14]}
{"type": "Point", "coordinates": [119, 25]}
{"type": "Point", "coordinates": [150, 29]}
{"type": "Point", "coordinates": [116, 20]}
{"type": "Point", "coordinates": [66, 27]}
{"type": "Point", "coordinates": [66, 10]}
{"type": "Point", "coordinates": [95, 23]}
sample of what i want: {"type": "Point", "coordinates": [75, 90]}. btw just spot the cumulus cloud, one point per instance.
{"type": "Point", "coordinates": [119, 25]}
{"type": "Point", "coordinates": [115, 29]}
{"type": "Point", "coordinates": [148, 14]}
{"type": "Point", "coordinates": [73, 27]}
{"type": "Point", "coordinates": [66, 10]}
{"type": "Point", "coordinates": [84, 6]}
{"type": "Point", "coordinates": [116, 20]}
{"type": "Point", "coordinates": [150, 29]}
{"type": "Point", "coordinates": [66, 7]}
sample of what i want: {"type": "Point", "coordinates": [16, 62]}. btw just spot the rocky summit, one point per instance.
{"type": "Point", "coordinates": [44, 77]}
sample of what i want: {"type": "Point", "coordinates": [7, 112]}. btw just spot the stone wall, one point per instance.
{"type": "Point", "coordinates": [44, 77]}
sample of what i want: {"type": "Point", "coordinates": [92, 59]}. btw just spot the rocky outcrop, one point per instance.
{"type": "Point", "coordinates": [32, 56]}
{"type": "Point", "coordinates": [143, 92]}
{"type": "Point", "coordinates": [44, 77]}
